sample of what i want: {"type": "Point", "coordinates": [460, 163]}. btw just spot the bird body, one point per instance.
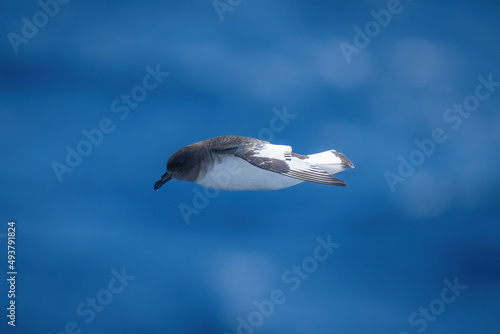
{"type": "Point", "coordinates": [243, 163]}
{"type": "Point", "coordinates": [233, 173]}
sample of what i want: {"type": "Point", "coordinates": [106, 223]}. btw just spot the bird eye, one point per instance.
{"type": "Point", "coordinates": [176, 164]}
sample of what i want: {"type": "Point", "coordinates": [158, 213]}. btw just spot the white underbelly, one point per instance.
{"type": "Point", "coordinates": [233, 173]}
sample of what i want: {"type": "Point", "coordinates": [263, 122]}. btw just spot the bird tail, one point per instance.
{"type": "Point", "coordinates": [332, 161]}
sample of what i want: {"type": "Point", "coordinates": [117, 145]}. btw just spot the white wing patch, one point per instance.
{"type": "Point", "coordinates": [273, 151]}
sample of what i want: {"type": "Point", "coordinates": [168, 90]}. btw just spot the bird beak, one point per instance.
{"type": "Point", "coordinates": [164, 179]}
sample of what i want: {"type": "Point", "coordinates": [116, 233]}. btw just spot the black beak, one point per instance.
{"type": "Point", "coordinates": [164, 179]}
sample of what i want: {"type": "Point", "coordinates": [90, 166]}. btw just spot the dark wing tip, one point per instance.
{"type": "Point", "coordinates": [346, 163]}
{"type": "Point", "coordinates": [315, 175]}
{"type": "Point", "coordinates": [337, 182]}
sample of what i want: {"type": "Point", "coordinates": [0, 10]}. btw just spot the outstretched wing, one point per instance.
{"type": "Point", "coordinates": [275, 158]}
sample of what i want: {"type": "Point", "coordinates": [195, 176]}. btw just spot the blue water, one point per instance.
{"type": "Point", "coordinates": [409, 91]}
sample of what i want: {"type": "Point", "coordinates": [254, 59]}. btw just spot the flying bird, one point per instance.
{"type": "Point", "coordinates": [243, 163]}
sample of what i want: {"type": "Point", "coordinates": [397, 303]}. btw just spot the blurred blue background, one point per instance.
{"type": "Point", "coordinates": [230, 67]}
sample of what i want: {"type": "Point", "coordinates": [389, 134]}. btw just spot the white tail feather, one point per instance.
{"type": "Point", "coordinates": [331, 161]}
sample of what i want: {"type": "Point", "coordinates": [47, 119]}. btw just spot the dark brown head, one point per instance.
{"type": "Point", "coordinates": [182, 165]}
